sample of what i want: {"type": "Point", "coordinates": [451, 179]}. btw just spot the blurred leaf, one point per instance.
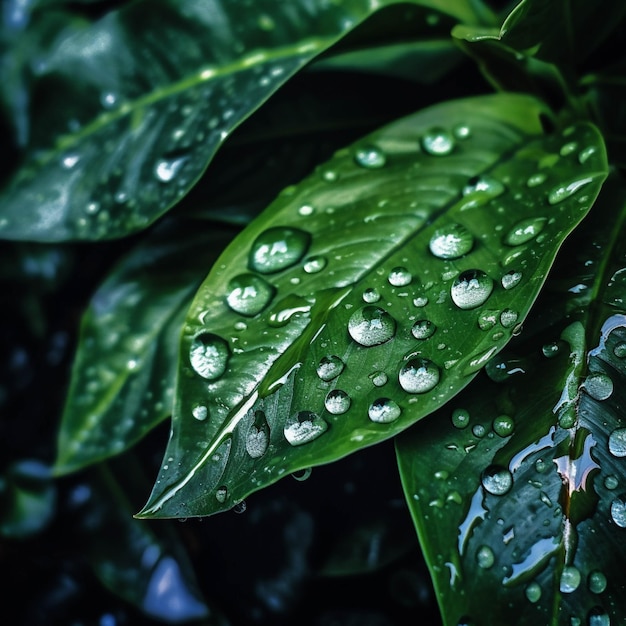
{"type": "Point", "coordinates": [126, 361]}
{"type": "Point", "coordinates": [370, 303]}
{"type": "Point", "coordinates": [515, 486]}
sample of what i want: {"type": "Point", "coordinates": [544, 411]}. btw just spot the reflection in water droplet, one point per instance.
{"type": "Point", "coordinates": [570, 579]}
{"type": "Point", "coordinates": [503, 425]}
{"type": "Point", "coordinates": [599, 386]}
{"type": "Point", "coordinates": [209, 355]}
{"type": "Point", "coordinates": [451, 242]}
{"type": "Point", "coordinates": [525, 231]}
{"type": "Point", "coordinates": [533, 592]}
{"type": "Point", "coordinates": [371, 326]}
{"type": "Point", "coordinates": [303, 427]}
{"type": "Point", "coordinates": [511, 279]}
{"type": "Point", "coordinates": [330, 367]}
{"type": "Point", "coordinates": [550, 350]}
{"type": "Point", "coordinates": [371, 295]}
{"type": "Point", "coordinates": [383, 411]}
{"type": "Point", "coordinates": [399, 277]}
{"type": "Point", "coordinates": [460, 418]}
{"type": "Point", "coordinates": [596, 581]}
{"type": "Point", "coordinates": [485, 557]}
{"type": "Point", "coordinates": [508, 318]}
{"type": "Point", "coordinates": [277, 249]}
{"type": "Point", "coordinates": [419, 376]}
{"type": "Point", "coordinates": [337, 402]}
{"type": "Point", "coordinates": [314, 264]}
{"type": "Point", "coordinates": [423, 329]}
{"type": "Point", "coordinates": [497, 480]}
{"type": "Point", "coordinates": [479, 431]}
{"type": "Point", "coordinates": [488, 319]}
{"type": "Point", "coordinates": [471, 289]}
{"type": "Point", "coordinates": [200, 412]}
{"type": "Point", "coordinates": [437, 142]}
{"type": "Point", "coordinates": [249, 294]}
{"type": "Point", "coordinates": [302, 475]}
{"type": "Point", "coordinates": [370, 157]}
{"type": "Point", "coordinates": [617, 442]}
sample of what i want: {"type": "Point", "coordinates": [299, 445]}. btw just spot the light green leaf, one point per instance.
{"type": "Point", "coordinates": [370, 294]}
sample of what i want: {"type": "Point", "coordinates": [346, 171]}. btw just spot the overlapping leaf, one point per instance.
{"type": "Point", "coordinates": [129, 111]}
{"type": "Point", "coordinates": [370, 294]}
{"type": "Point", "coordinates": [516, 486]}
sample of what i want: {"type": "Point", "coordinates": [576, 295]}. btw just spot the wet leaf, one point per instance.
{"type": "Point", "coordinates": [515, 487]}
{"type": "Point", "coordinates": [126, 361]}
{"type": "Point", "coordinates": [369, 295]}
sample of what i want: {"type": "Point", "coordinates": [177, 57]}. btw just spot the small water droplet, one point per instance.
{"type": "Point", "coordinates": [337, 402]}
{"type": "Point", "coordinates": [568, 148]}
{"type": "Point", "coordinates": [437, 142]}
{"type": "Point", "coordinates": [277, 249]}
{"type": "Point", "coordinates": [599, 386]}
{"type": "Point", "coordinates": [462, 131]}
{"type": "Point", "coordinates": [302, 475]}
{"type": "Point", "coordinates": [303, 427]}
{"type": "Point", "coordinates": [533, 592]}
{"type": "Point", "coordinates": [537, 179]}
{"type": "Point", "coordinates": [485, 185]}
{"type": "Point", "coordinates": [330, 367]}
{"type": "Point", "coordinates": [497, 480]}
{"type": "Point", "coordinates": [383, 411]}
{"type": "Point", "coordinates": [209, 355]}
{"type": "Point", "coordinates": [503, 425]}
{"type": "Point", "coordinates": [370, 157]}
{"type": "Point", "coordinates": [451, 242]}
{"type": "Point", "coordinates": [167, 169]}
{"type": "Point", "coordinates": [471, 289]}
{"type": "Point", "coordinates": [419, 375]}
{"type": "Point", "coordinates": [508, 318]}
{"type": "Point", "coordinates": [108, 99]}
{"type": "Point", "coordinates": [511, 279]}
{"type": "Point", "coordinates": [479, 431]}
{"type": "Point", "coordinates": [525, 231]}
{"type": "Point", "coordinates": [611, 482]}
{"type": "Point", "coordinates": [399, 277]}
{"type": "Point", "coordinates": [314, 264]}
{"type": "Point", "coordinates": [617, 442]}
{"type": "Point", "coordinates": [239, 507]}
{"type": "Point", "coordinates": [249, 294]}
{"type": "Point", "coordinates": [597, 616]}
{"type": "Point", "coordinates": [258, 436]}
{"type": "Point", "coordinates": [485, 557]}
{"type": "Point", "coordinates": [305, 210]}
{"type": "Point", "coordinates": [596, 581]}
{"type": "Point", "coordinates": [379, 379]}
{"type": "Point", "coordinates": [423, 329]}
{"type": "Point", "coordinates": [585, 154]}
{"type": "Point", "coordinates": [620, 350]}
{"type": "Point", "coordinates": [69, 161]}
{"type": "Point", "coordinates": [221, 493]}
{"type": "Point", "coordinates": [371, 295]}
{"type": "Point", "coordinates": [570, 579]}
{"type": "Point", "coordinates": [200, 412]}
{"type": "Point", "coordinates": [371, 326]}
{"type": "Point", "coordinates": [460, 418]}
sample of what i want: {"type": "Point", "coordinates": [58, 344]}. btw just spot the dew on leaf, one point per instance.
{"type": "Point", "coordinates": [419, 375]}
{"type": "Point", "coordinates": [617, 442]}
{"type": "Point", "coordinates": [611, 482]}
{"type": "Point", "coordinates": [568, 148]}
{"type": "Point", "coordinates": [570, 579]}
{"type": "Point", "coordinates": [503, 425]}
{"type": "Point", "coordinates": [460, 418]}
{"type": "Point", "coordinates": [537, 179]}
{"type": "Point", "coordinates": [497, 480]}
{"type": "Point", "coordinates": [599, 386]}
{"type": "Point", "coordinates": [221, 493]}
{"type": "Point", "coordinates": [596, 581]}
{"type": "Point", "coordinates": [305, 210]}
{"type": "Point", "coordinates": [485, 557]}
{"type": "Point", "coordinates": [399, 277]}
{"type": "Point", "coordinates": [550, 350]}
{"type": "Point", "coordinates": [200, 412]}
{"type": "Point", "coordinates": [303, 427]}
{"type": "Point", "coordinates": [524, 231]}
{"type": "Point", "coordinates": [209, 355]}
{"type": "Point", "coordinates": [508, 318]}
{"type": "Point", "coordinates": [371, 295]}
{"type": "Point", "coordinates": [585, 154]}
{"type": "Point", "coordinates": [249, 294]}
{"type": "Point", "coordinates": [451, 242]}
{"type": "Point", "coordinates": [533, 592]}
{"type": "Point", "coordinates": [485, 184]}
{"type": "Point", "coordinates": [383, 411]}
{"type": "Point", "coordinates": [471, 289]}
{"type": "Point", "coordinates": [337, 402]}
{"type": "Point", "coordinates": [167, 169]}
{"type": "Point", "coordinates": [370, 157]}
{"type": "Point", "coordinates": [278, 248]}
{"type": "Point", "coordinates": [511, 279]}
{"type": "Point", "coordinates": [330, 367]}
{"type": "Point", "coordinates": [620, 350]}
{"type": "Point", "coordinates": [379, 379]}
{"type": "Point", "coordinates": [487, 319]}
{"type": "Point", "coordinates": [437, 142]}
{"type": "Point", "coordinates": [461, 131]}
{"type": "Point", "coordinates": [314, 264]}
{"type": "Point", "coordinates": [423, 329]}
{"type": "Point", "coordinates": [303, 475]}
{"type": "Point", "coordinates": [371, 326]}
{"type": "Point", "coordinates": [420, 301]}
{"type": "Point", "coordinates": [562, 192]}
{"type": "Point", "coordinates": [479, 431]}
{"type": "Point", "coordinates": [258, 436]}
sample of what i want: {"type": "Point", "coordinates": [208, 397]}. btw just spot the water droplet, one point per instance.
{"type": "Point", "coordinates": [330, 367]}
{"type": "Point", "coordinates": [485, 557]}
{"type": "Point", "coordinates": [420, 301]}
{"type": "Point", "coordinates": [533, 592]}
{"type": "Point", "coordinates": [501, 368]}
{"type": "Point", "coordinates": [108, 99]}
{"type": "Point", "coordinates": [370, 157]}
{"type": "Point", "coordinates": [618, 512]}
{"type": "Point", "coordinates": [487, 319]}
{"type": "Point", "coordinates": [617, 442]}
{"type": "Point", "coordinates": [585, 154]}
{"type": "Point", "coordinates": [451, 242]}
{"type": "Point", "coordinates": [462, 131]}
{"type": "Point", "coordinates": [371, 326]}
{"type": "Point", "coordinates": [599, 386]}
{"type": "Point", "coordinates": [611, 482]}
{"type": "Point", "coordinates": [597, 616]}
{"type": "Point", "coordinates": [209, 355]}
{"type": "Point", "coordinates": [550, 350]}
{"type": "Point", "coordinates": [503, 425]}
{"type": "Point", "coordinates": [240, 507]}
{"type": "Point", "coordinates": [478, 430]}
{"type": "Point", "coordinates": [371, 295]}
{"type": "Point", "coordinates": [525, 231]}
{"type": "Point", "coordinates": [471, 289]}
{"type": "Point", "coordinates": [167, 169]}
{"type": "Point", "coordinates": [568, 148]}
{"type": "Point", "coordinates": [486, 185]}
{"type": "Point", "coordinates": [497, 480]}
{"type": "Point", "coordinates": [379, 379]}
{"type": "Point", "coordinates": [437, 142]}
{"type": "Point", "coordinates": [249, 294]}
{"type": "Point", "coordinates": [314, 264]}
{"type": "Point", "coordinates": [337, 402]}
{"type": "Point", "coordinates": [399, 277]}
{"type": "Point", "coordinates": [69, 161]}
{"type": "Point", "coordinates": [200, 412]}
{"type": "Point", "coordinates": [562, 192]}
{"type": "Point", "coordinates": [620, 350]}
{"type": "Point", "coordinates": [383, 411]}
{"type": "Point", "coordinates": [511, 279]}
{"type": "Point", "coordinates": [570, 579]}
{"type": "Point", "coordinates": [596, 581]}
{"type": "Point", "coordinates": [419, 376]}
{"type": "Point", "coordinates": [302, 475]}
{"type": "Point", "coordinates": [303, 427]}
{"type": "Point", "coordinates": [537, 179]}
{"type": "Point", "coordinates": [258, 436]}
{"type": "Point", "coordinates": [278, 248]}
{"type": "Point", "coordinates": [221, 493]}
{"type": "Point", "coordinates": [305, 210]}
{"type": "Point", "coordinates": [460, 418]}
{"type": "Point", "coordinates": [508, 318]}
{"type": "Point", "coordinates": [423, 329]}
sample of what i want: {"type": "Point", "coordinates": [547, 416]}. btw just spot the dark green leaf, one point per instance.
{"type": "Point", "coordinates": [378, 287]}
{"type": "Point", "coordinates": [124, 370]}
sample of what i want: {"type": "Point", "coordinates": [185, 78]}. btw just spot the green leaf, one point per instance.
{"type": "Point", "coordinates": [126, 361]}
{"type": "Point", "coordinates": [516, 486]}
{"type": "Point", "coordinates": [332, 301]}
{"type": "Point", "coordinates": [130, 110]}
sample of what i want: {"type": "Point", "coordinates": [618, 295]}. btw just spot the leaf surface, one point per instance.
{"type": "Point", "coordinates": [370, 294]}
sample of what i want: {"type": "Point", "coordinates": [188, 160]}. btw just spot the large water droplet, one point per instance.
{"type": "Point", "coordinates": [618, 512]}
{"type": "Point", "coordinates": [460, 418]}
{"type": "Point", "coordinates": [562, 192]}
{"type": "Point", "coordinates": [620, 350]}
{"type": "Point", "coordinates": [337, 402]}
{"type": "Point", "coordinates": [371, 326]}
{"type": "Point", "coordinates": [278, 248]}
{"type": "Point", "coordinates": [503, 425]}
{"type": "Point", "coordinates": [209, 355]}
{"type": "Point", "coordinates": [497, 480]}
{"type": "Point", "coordinates": [471, 289]}
{"type": "Point", "coordinates": [508, 318]}
{"type": "Point", "coordinates": [258, 436]}
{"type": "Point", "coordinates": [399, 277]}
{"type": "Point", "coordinates": [419, 376]}
{"type": "Point", "coordinates": [533, 592]}
{"type": "Point", "coordinates": [249, 294]}
{"type": "Point", "coordinates": [617, 442]}
{"type": "Point", "coordinates": [485, 557]}
{"type": "Point", "coordinates": [597, 616]}
{"type": "Point", "coordinates": [200, 412]}
{"type": "Point", "coordinates": [383, 411]}
{"type": "Point", "coordinates": [330, 367]}
{"type": "Point", "coordinates": [167, 169]}
{"type": "Point", "coordinates": [303, 427]}
{"type": "Point", "coordinates": [423, 329]}
{"type": "Point", "coordinates": [379, 379]}
{"type": "Point", "coordinates": [570, 579]}
{"type": "Point", "coordinates": [599, 386]}
{"type": "Point", "coordinates": [371, 295]}
{"type": "Point", "coordinates": [525, 231]}
{"type": "Point", "coordinates": [511, 279]}
{"type": "Point", "coordinates": [611, 482]}
{"type": "Point", "coordinates": [451, 242]}
{"type": "Point", "coordinates": [596, 581]}
{"type": "Point", "coordinates": [437, 142]}
{"type": "Point", "coordinates": [370, 157]}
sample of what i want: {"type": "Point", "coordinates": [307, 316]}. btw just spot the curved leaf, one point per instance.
{"type": "Point", "coordinates": [126, 361]}
{"type": "Point", "coordinates": [132, 108]}
{"type": "Point", "coordinates": [394, 272]}
{"type": "Point", "coordinates": [516, 486]}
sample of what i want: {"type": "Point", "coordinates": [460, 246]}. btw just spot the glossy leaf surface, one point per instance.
{"type": "Point", "coordinates": [370, 294]}
{"type": "Point", "coordinates": [123, 376]}
{"type": "Point", "coordinates": [516, 485]}
{"type": "Point", "coordinates": [130, 110]}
